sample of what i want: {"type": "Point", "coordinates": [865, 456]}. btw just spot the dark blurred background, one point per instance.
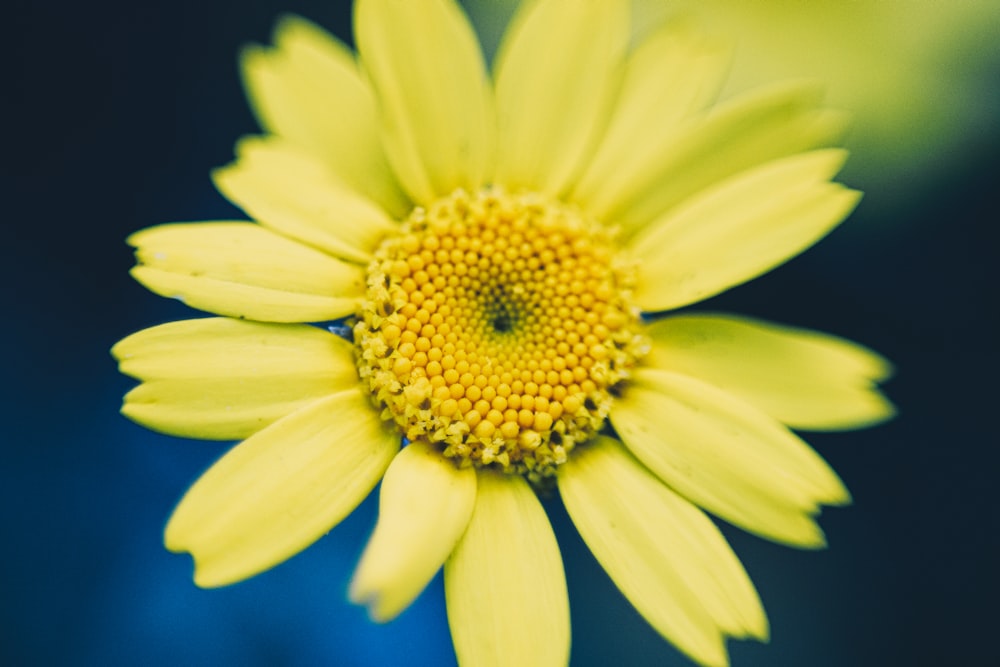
{"type": "Point", "coordinates": [115, 112]}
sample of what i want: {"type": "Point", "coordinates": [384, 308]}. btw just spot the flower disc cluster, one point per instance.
{"type": "Point", "coordinates": [497, 326]}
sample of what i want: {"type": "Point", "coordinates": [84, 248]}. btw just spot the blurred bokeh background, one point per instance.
{"type": "Point", "coordinates": [117, 110]}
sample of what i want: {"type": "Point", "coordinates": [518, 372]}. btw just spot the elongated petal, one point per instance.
{"type": "Point", "coordinates": [296, 194]}
{"type": "Point", "coordinates": [805, 379]}
{"type": "Point", "coordinates": [224, 379]}
{"type": "Point", "coordinates": [424, 507]}
{"type": "Point", "coordinates": [726, 456]}
{"type": "Point", "coordinates": [435, 101]}
{"type": "Point", "coordinates": [242, 270]}
{"type": "Point", "coordinates": [504, 584]}
{"type": "Point", "coordinates": [665, 555]}
{"type": "Point", "coordinates": [280, 490]}
{"type": "Point", "coordinates": [309, 90]}
{"type": "Point", "coordinates": [671, 76]}
{"type": "Point", "coordinates": [739, 229]}
{"type": "Point", "coordinates": [750, 130]}
{"type": "Point", "coordinates": [557, 72]}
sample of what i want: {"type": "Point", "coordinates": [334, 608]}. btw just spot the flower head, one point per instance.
{"type": "Point", "coordinates": [500, 248]}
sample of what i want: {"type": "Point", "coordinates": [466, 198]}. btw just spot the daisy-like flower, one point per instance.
{"type": "Point", "coordinates": [498, 247]}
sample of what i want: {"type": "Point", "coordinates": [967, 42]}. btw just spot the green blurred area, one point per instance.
{"type": "Point", "coordinates": [920, 77]}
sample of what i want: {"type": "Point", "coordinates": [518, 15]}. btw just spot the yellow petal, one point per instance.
{"type": "Point", "coordinates": [726, 456]}
{"type": "Point", "coordinates": [805, 379]}
{"type": "Point", "coordinates": [558, 70]}
{"type": "Point", "coordinates": [424, 507]}
{"type": "Point", "coordinates": [242, 270]}
{"type": "Point", "coordinates": [747, 131]}
{"type": "Point", "coordinates": [670, 76]}
{"type": "Point", "coordinates": [294, 193]}
{"type": "Point", "coordinates": [665, 555]}
{"type": "Point", "coordinates": [224, 379]}
{"type": "Point", "coordinates": [280, 490]}
{"type": "Point", "coordinates": [435, 102]}
{"type": "Point", "coordinates": [309, 90]}
{"type": "Point", "coordinates": [739, 229]}
{"type": "Point", "coordinates": [504, 584]}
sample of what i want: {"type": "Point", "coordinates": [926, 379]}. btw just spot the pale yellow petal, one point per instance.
{"type": "Point", "coordinates": [309, 90]}
{"type": "Point", "coordinates": [747, 131]}
{"type": "Point", "coordinates": [504, 584]}
{"type": "Point", "coordinates": [557, 72]}
{"type": "Point", "coordinates": [283, 488]}
{"type": "Point", "coordinates": [434, 96]}
{"type": "Point", "coordinates": [739, 229]}
{"type": "Point", "coordinates": [425, 504]}
{"type": "Point", "coordinates": [805, 379]}
{"type": "Point", "coordinates": [294, 193]}
{"type": "Point", "coordinates": [238, 300]}
{"type": "Point", "coordinates": [224, 379]}
{"type": "Point", "coordinates": [726, 456]}
{"type": "Point", "coordinates": [670, 76]}
{"type": "Point", "coordinates": [665, 555]}
{"type": "Point", "coordinates": [243, 270]}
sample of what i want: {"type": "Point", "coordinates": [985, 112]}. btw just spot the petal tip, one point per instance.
{"type": "Point", "coordinates": [205, 578]}
{"type": "Point", "coordinates": [887, 410]}
{"type": "Point", "coordinates": [814, 541]}
{"type": "Point", "coordinates": [291, 26]}
{"type": "Point", "coordinates": [253, 55]}
{"type": "Point", "coordinates": [365, 594]}
{"type": "Point", "coordinates": [762, 630]}
{"type": "Point", "coordinates": [135, 239]}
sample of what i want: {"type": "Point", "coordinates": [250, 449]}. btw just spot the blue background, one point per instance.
{"type": "Point", "coordinates": [117, 110]}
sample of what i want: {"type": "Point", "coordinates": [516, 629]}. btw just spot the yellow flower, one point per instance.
{"type": "Point", "coordinates": [495, 243]}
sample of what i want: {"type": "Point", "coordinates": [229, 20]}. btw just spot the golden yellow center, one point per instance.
{"type": "Point", "coordinates": [497, 326]}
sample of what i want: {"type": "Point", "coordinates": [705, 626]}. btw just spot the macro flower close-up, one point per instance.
{"type": "Point", "coordinates": [460, 281]}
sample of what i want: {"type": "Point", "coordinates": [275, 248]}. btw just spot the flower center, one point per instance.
{"type": "Point", "coordinates": [497, 325]}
